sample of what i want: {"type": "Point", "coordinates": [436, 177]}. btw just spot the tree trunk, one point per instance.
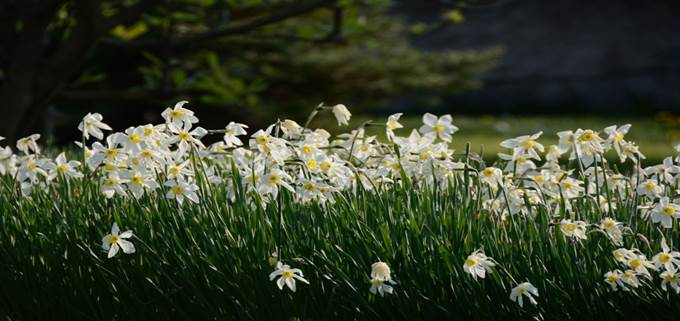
{"type": "Point", "coordinates": [35, 76]}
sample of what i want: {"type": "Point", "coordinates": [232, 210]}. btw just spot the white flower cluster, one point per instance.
{"type": "Point", "coordinates": [170, 160]}
{"type": "Point", "coordinates": [637, 266]}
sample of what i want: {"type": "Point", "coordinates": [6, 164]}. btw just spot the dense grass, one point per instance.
{"type": "Point", "coordinates": [210, 260]}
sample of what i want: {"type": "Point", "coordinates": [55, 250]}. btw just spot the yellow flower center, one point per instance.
{"type": "Point", "coordinates": [570, 227]}
{"type": "Point", "coordinates": [470, 262]}
{"type": "Point", "coordinates": [146, 153]}
{"type": "Point", "coordinates": [134, 138]}
{"type": "Point", "coordinates": [137, 180]}
{"type": "Point", "coordinates": [287, 274]}
{"type": "Point", "coordinates": [669, 210]}
{"type": "Point", "coordinates": [274, 179]}
{"type": "Point", "coordinates": [176, 113]}
{"type": "Point", "coordinates": [61, 169]}
{"type": "Point", "coordinates": [174, 170]}
{"type": "Point", "coordinates": [309, 186]}
{"type": "Point", "coordinates": [488, 172]}
{"type": "Point", "coordinates": [183, 135]}
{"type": "Point", "coordinates": [109, 182]}
{"type": "Point", "coordinates": [177, 190]}
{"type": "Point", "coordinates": [650, 185]}
{"type": "Point", "coordinates": [306, 149]}
{"type": "Point", "coordinates": [439, 128]}
{"type": "Point", "coordinates": [587, 136]}
{"type": "Point", "coordinates": [148, 131]}
{"type": "Point", "coordinates": [618, 137]}
{"type": "Point", "coordinates": [612, 277]}
{"type": "Point", "coordinates": [262, 139]}
{"type": "Point", "coordinates": [529, 143]}
{"type": "Point", "coordinates": [664, 258]}
{"type": "Point", "coordinates": [113, 239]}
{"type": "Point", "coordinates": [312, 164]}
{"type": "Point", "coordinates": [635, 263]}
{"type": "Point", "coordinates": [111, 153]}
{"type": "Point", "coordinates": [325, 165]}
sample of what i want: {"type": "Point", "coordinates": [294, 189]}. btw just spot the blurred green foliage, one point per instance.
{"type": "Point", "coordinates": [343, 51]}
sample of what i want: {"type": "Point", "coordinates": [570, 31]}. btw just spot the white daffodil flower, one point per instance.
{"type": "Point", "coordinates": [270, 182]}
{"type": "Point", "coordinates": [287, 276]}
{"type": "Point", "coordinates": [613, 229]}
{"type": "Point", "coordinates": [670, 277]}
{"type": "Point", "coordinates": [133, 141]}
{"type": "Point", "coordinates": [380, 270]}
{"type": "Point", "coordinates": [290, 129]}
{"type": "Point", "coordinates": [665, 212]}
{"type": "Point", "coordinates": [61, 166]}
{"type": "Point", "coordinates": [441, 127]}
{"type": "Point", "coordinates": [616, 139]}
{"type": "Point", "coordinates": [185, 137]}
{"type": "Point", "coordinates": [615, 280]}
{"type": "Point", "coordinates": [232, 131]}
{"type": "Point", "coordinates": [379, 286]}
{"type": "Point", "coordinates": [138, 182]}
{"type": "Point", "coordinates": [179, 190]}
{"type": "Point", "coordinates": [477, 264]}
{"type": "Point", "coordinates": [381, 279]}
{"type": "Point", "coordinates": [669, 260]}
{"type": "Point", "coordinates": [112, 185]}
{"type": "Point", "coordinates": [392, 124]}
{"type": "Point", "coordinates": [115, 241]}
{"type": "Point", "coordinates": [638, 263]}
{"type": "Point", "coordinates": [525, 146]}
{"type": "Point", "coordinates": [524, 289]}
{"type": "Point", "coordinates": [342, 114]}
{"type": "Point", "coordinates": [573, 229]}
{"type": "Point", "coordinates": [650, 188]}
{"type": "Point", "coordinates": [92, 125]}
{"type": "Point", "coordinates": [28, 144]}
{"type": "Point", "coordinates": [179, 116]}
{"type": "Point", "coordinates": [491, 175]}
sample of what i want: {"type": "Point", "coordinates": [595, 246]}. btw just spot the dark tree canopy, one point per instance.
{"type": "Point", "coordinates": [236, 54]}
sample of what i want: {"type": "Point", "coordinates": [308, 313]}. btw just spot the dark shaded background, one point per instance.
{"type": "Point", "coordinates": [596, 57]}
{"type": "Point", "coordinates": [378, 57]}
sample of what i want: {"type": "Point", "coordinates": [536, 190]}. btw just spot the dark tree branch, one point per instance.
{"type": "Point", "coordinates": [237, 28]}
